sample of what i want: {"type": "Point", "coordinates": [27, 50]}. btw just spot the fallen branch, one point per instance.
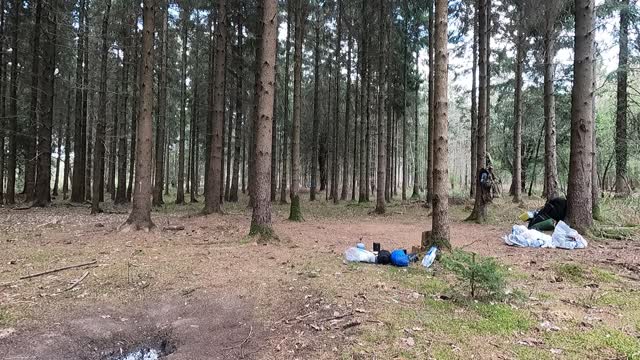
{"type": "Point", "coordinates": [336, 317]}
{"type": "Point", "coordinates": [351, 324]}
{"type": "Point", "coordinates": [57, 270]}
{"type": "Point", "coordinates": [75, 283]}
{"type": "Point", "coordinates": [173, 228]}
{"type": "Point", "coordinates": [242, 343]}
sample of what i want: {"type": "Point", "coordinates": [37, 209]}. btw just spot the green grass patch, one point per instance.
{"type": "Point", "coordinates": [604, 276]}
{"type": "Point", "coordinates": [570, 271]}
{"type": "Point", "coordinates": [5, 318]}
{"type": "Point", "coordinates": [500, 319]}
{"type": "Point", "coordinates": [417, 279]}
{"type": "Point", "coordinates": [597, 343]}
{"type": "Point", "coordinates": [531, 353]}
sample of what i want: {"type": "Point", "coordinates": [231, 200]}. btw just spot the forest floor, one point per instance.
{"type": "Point", "coordinates": [210, 292]}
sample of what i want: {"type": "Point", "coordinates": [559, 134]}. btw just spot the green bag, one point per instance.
{"type": "Point", "coordinates": [546, 225]}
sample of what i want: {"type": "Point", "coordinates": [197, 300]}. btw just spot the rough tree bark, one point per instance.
{"type": "Point", "coordinates": [517, 112]}
{"type": "Point", "coordinates": [335, 176]}
{"type": "Point", "coordinates": [347, 118]}
{"type": "Point", "coordinates": [622, 186]}
{"type": "Point", "coordinates": [233, 196]}
{"type": "Point", "coordinates": [285, 120]}
{"type": "Point", "coordinates": [13, 106]}
{"type": "Point", "coordinates": [416, 152]}
{"type": "Point", "coordinates": [162, 109]}
{"type": "Point", "coordinates": [474, 105]}
{"type": "Point", "coordinates": [43, 185]}
{"type": "Point", "coordinates": [213, 198]}
{"type": "Point", "coordinates": [579, 204]}
{"type": "Point", "coordinates": [79, 161]}
{"type": "Point", "coordinates": [316, 114]}
{"type": "Point", "coordinates": [183, 106]}
{"type": "Point", "coordinates": [295, 213]}
{"type": "Point", "coordinates": [479, 213]}
{"type": "Point", "coordinates": [429, 199]}
{"type": "Point", "coordinates": [67, 144]}
{"type": "Point", "coordinates": [261, 217]}
{"type": "Point", "coordinates": [364, 113]}
{"type": "Point", "coordinates": [440, 227]}
{"type": "Point", "coordinates": [550, 188]}
{"type": "Point", "coordinates": [382, 156]}
{"type": "Point", "coordinates": [3, 99]}
{"type": "Point", "coordinates": [29, 142]}
{"type": "Point", "coordinates": [98, 154]}
{"type": "Point", "coordinates": [121, 186]}
{"type": "Point", "coordinates": [140, 216]}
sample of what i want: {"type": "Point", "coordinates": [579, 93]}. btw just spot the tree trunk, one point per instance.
{"type": "Point", "coordinates": [161, 117]}
{"type": "Point", "coordinates": [77, 184]}
{"type": "Point", "coordinates": [431, 106]}
{"type": "Point", "coordinates": [233, 196]}
{"type": "Point", "coordinates": [228, 144]}
{"type": "Point", "coordinates": [364, 113]}
{"type": "Point", "coordinates": [579, 206]}
{"type": "Point", "coordinates": [595, 186]}
{"type": "Point", "coordinates": [87, 123]}
{"type": "Point", "coordinates": [121, 186]}
{"type": "Point", "coordinates": [347, 118]}
{"type": "Point", "coordinates": [43, 186]}
{"type": "Point", "coordinates": [67, 144]}
{"type": "Point", "coordinates": [183, 106]}
{"type": "Point", "coordinates": [56, 179]}
{"type": "Point", "coordinates": [98, 155]}
{"type": "Point", "coordinates": [30, 142]}
{"type": "Point", "coordinates": [13, 106]}
{"type": "Point", "coordinates": [479, 212]}
{"type": "Point", "coordinates": [440, 228]}
{"type": "Point", "coordinates": [137, 81]}
{"type": "Point", "coordinates": [416, 152]}
{"type": "Point", "coordinates": [621, 147]}
{"type": "Point", "coordinates": [285, 120]}
{"type": "Point", "coordinates": [335, 176]}
{"type": "Point", "coordinates": [295, 213]}
{"type": "Point", "coordinates": [487, 121]}
{"type": "Point", "coordinates": [517, 112]}
{"type": "Point", "coordinates": [316, 115]}
{"type": "Point", "coordinates": [194, 141]}
{"type": "Point", "coordinates": [474, 106]}
{"type": "Point", "coordinates": [356, 131]}
{"type": "Point", "coordinates": [405, 69]}
{"type": "Point", "coordinates": [3, 99]}
{"type": "Point", "coordinates": [382, 75]}
{"type": "Point", "coordinates": [213, 194]}
{"type": "Point", "coordinates": [550, 158]}
{"type": "Point", "coordinates": [261, 217]}
{"type": "Point", "coordinates": [113, 145]}
{"type": "Point", "coordinates": [140, 217]}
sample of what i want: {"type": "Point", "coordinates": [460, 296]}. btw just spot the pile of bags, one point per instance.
{"type": "Point", "coordinates": [563, 237]}
{"type": "Point", "coordinates": [398, 257]}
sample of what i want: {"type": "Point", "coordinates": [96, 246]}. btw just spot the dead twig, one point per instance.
{"type": "Point", "coordinates": [75, 283]}
{"type": "Point", "coordinates": [336, 317]}
{"type": "Point", "coordinates": [173, 228]}
{"type": "Point", "coordinates": [241, 344]}
{"type": "Point", "coordinates": [58, 269]}
{"type": "Point", "coordinates": [351, 324]}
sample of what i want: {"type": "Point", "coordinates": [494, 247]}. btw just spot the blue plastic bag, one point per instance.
{"type": "Point", "coordinates": [399, 258]}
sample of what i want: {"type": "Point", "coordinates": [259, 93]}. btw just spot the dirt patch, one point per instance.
{"type": "Point", "coordinates": [191, 328]}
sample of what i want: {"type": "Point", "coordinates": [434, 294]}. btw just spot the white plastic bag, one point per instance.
{"type": "Point", "coordinates": [430, 257]}
{"type": "Point", "coordinates": [565, 237]}
{"type": "Point", "coordinates": [354, 254]}
{"type": "Point", "coordinates": [523, 237]}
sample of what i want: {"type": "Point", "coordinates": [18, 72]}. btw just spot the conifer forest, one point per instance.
{"type": "Point", "coordinates": [319, 179]}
